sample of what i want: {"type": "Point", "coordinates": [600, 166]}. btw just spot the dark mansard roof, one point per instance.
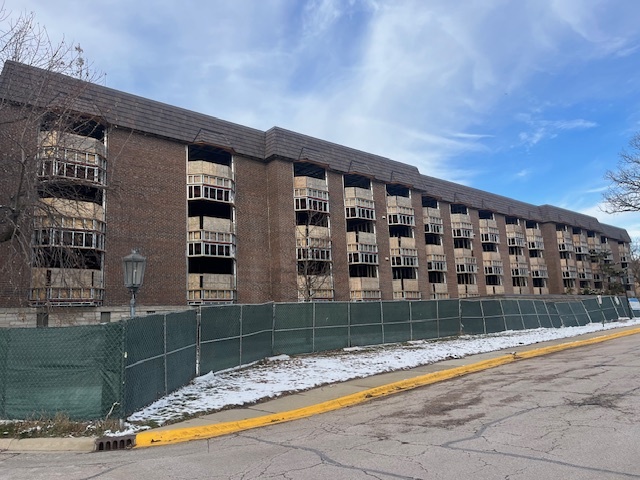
{"type": "Point", "coordinates": [29, 85]}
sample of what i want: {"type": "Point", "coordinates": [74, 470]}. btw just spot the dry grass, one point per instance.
{"type": "Point", "coordinates": [58, 426]}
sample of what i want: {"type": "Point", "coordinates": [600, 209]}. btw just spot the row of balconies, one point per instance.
{"type": "Point", "coordinates": [68, 238]}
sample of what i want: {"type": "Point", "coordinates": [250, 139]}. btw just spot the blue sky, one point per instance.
{"type": "Point", "coordinates": [531, 99]}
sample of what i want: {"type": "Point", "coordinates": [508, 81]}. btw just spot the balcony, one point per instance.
{"type": "Point", "coordinates": [66, 287]}
{"type": "Point", "coordinates": [467, 291]}
{"type": "Point", "coordinates": [466, 264]}
{"type": "Point", "coordinates": [495, 289]}
{"type": "Point", "coordinates": [406, 289]}
{"type": "Point", "coordinates": [315, 287]}
{"type": "Point", "coordinates": [436, 263]}
{"type": "Point", "coordinates": [211, 288]}
{"type": "Point", "coordinates": [362, 288]}
{"type": "Point", "coordinates": [434, 249]}
{"type": "Point", "coordinates": [211, 237]}
{"type": "Point", "coordinates": [439, 291]}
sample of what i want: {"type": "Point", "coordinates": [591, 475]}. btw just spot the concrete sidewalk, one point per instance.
{"type": "Point", "coordinates": [322, 399]}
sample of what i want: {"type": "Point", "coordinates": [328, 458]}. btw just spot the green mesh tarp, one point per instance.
{"type": "Point", "coordinates": [530, 317]}
{"type": "Point", "coordinates": [161, 356]}
{"type": "Point", "coordinates": [471, 317]}
{"type": "Point", "coordinates": [512, 314]}
{"type": "Point", "coordinates": [396, 322]}
{"type": "Point", "coordinates": [182, 331]}
{"type": "Point", "coordinates": [449, 321]}
{"type": "Point", "coordinates": [220, 338]}
{"type": "Point", "coordinates": [366, 324]}
{"type": "Point", "coordinates": [256, 332]}
{"type": "Point", "coordinates": [331, 326]}
{"type": "Point", "coordinates": [71, 370]}
{"type": "Point", "coordinates": [424, 320]}
{"type": "Point", "coordinates": [493, 316]}
{"type": "Point", "coordinates": [293, 330]}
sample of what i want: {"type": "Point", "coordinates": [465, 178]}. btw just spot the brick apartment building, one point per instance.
{"type": "Point", "coordinates": [227, 213]}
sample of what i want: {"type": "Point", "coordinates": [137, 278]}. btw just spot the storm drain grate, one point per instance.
{"type": "Point", "coordinates": [106, 444]}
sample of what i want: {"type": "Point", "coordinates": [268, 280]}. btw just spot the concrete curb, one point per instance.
{"type": "Point", "coordinates": [177, 435]}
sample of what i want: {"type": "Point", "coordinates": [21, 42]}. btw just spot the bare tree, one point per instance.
{"type": "Point", "coordinates": [623, 194]}
{"type": "Point", "coordinates": [313, 246]}
{"type": "Point", "coordinates": [52, 166]}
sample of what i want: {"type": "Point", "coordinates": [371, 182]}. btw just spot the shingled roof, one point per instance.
{"type": "Point", "coordinates": [23, 84]}
{"type": "Point", "coordinates": [29, 85]}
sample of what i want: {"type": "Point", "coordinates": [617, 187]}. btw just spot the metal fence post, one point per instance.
{"type": "Point", "coordinates": [198, 337]}
{"type": "Point", "coordinates": [313, 329]}
{"type": "Point", "coordinates": [382, 320]}
{"type": "Point", "coordinates": [410, 321]}
{"type": "Point", "coordinates": [240, 347]}
{"type": "Point", "coordinates": [164, 333]}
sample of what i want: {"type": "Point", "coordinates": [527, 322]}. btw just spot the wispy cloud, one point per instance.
{"type": "Point", "coordinates": [548, 129]}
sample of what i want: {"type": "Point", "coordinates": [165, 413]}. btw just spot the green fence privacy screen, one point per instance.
{"type": "Point", "coordinates": [89, 372]}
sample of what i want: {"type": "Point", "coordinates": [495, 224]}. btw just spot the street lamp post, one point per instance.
{"type": "Point", "coordinates": [133, 265]}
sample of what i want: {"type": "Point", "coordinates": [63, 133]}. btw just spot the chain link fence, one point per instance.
{"type": "Point", "coordinates": [90, 372]}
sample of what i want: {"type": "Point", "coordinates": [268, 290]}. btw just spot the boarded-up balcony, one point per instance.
{"type": "Point", "coordinates": [406, 289]}
{"type": "Point", "coordinates": [214, 239]}
{"type": "Point", "coordinates": [435, 249]}
{"type": "Point", "coordinates": [362, 288]}
{"type": "Point", "coordinates": [66, 287]}
{"type": "Point", "coordinates": [465, 291]}
{"type": "Point", "coordinates": [210, 288]}
{"type": "Point", "coordinates": [495, 289]}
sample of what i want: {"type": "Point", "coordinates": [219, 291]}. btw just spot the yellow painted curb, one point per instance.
{"type": "Point", "coordinates": [166, 437]}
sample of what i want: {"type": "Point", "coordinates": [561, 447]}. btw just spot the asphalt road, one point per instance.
{"type": "Point", "coordinates": [568, 415]}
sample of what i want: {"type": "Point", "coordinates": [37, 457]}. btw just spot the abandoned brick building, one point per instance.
{"type": "Point", "coordinates": [227, 213]}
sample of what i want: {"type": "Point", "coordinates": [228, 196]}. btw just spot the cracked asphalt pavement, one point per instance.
{"type": "Point", "coordinates": [570, 415]}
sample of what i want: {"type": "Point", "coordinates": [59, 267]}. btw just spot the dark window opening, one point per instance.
{"type": "Point", "coordinates": [208, 153]}
{"type": "Point", "coordinates": [351, 180]}
{"type": "Point", "coordinates": [591, 234]}
{"type": "Point", "coordinates": [215, 265]}
{"type": "Point", "coordinates": [493, 280]}
{"type": "Point", "coordinates": [565, 255]}
{"type": "Point", "coordinates": [313, 267]}
{"type": "Point", "coordinates": [400, 231]}
{"type": "Point", "coordinates": [535, 253]}
{"type": "Point", "coordinates": [404, 273]}
{"type": "Point", "coordinates": [539, 282]}
{"type": "Point", "coordinates": [576, 230]}
{"type": "Point", "coordinates": [531, 224]}
{"type": "Point", "coordinates": [489, 247]}
{"type": "Point", "coordinates": [306, 169]}
{"type": "Point", "coordinates": [436, 277]}
{"type": "Point", "coordinates": [60, 257]}
{"type": "Point", "coordinates": [516, 251]}
{"type": "Point", "coordinates": [466, 279]}
{"type": "Point", "coordinates": [396, 190]}
{"type": "Point", "coordinates": [462, 243]}
{"type": "Point", "coordinates": [205, 208]}
{"type": "Point", "coordinates": [315, 219]}
{"type": "Point", "coordinates": [367, 271]}
{"type": "Point", "coordinates": [519, 281]}
{"type": "Point", "coordinates": [429, 201]}
{"type": "Point", "coordinates": [458, 208]}
{"type": "Point", "coordinates": [485, 214]}
{"type": "Point", "coordinates": [432, 239]}
{"type": "Point", "coordinates": [560, 227]}
{"type": "Point", "coordinates": [72, 124]}
{"type": "Point", "coordinates": [359, 225]}
{"type": "Point", "coordinates": [70, 191]}
{"type": "Point", "coordinates": [511, 220]}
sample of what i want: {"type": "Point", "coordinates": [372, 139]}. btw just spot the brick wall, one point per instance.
{"type": "Point", "coordinates": [282, 257]}
{"type": "Point", "coordinates": [252, 229]}
{"type": "Point", "coordinates": [146, 209]}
